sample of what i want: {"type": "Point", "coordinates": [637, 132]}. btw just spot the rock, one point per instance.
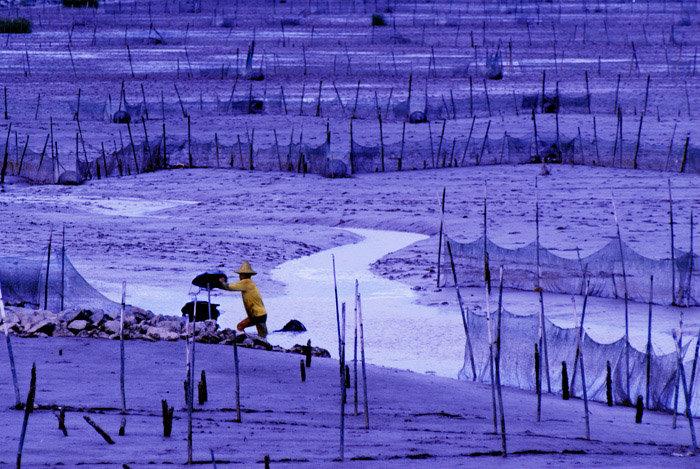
{"type": "Point", "coordinates": [335, 168]}
{"type": "Point", "coordinates": [261, 344]}
{"type": "Point", "coordinates": [72, 314]}
{"type": "Point", "coordinates": [70, 178]}
{"type": "Point", "coordinates": [77, 326]}
{"type": "Point", "coordinates": [247, 342]}
{"type": "Point", "coordinates": [140, 314]}
{"type": "Point", "coordinates": [45, 326]}
{"type": "Point", "coordinates": [417, 117]}
{"type": "Point", "coordinates": [62, 331]}
{"type": "Point", "coordinates": [111, 327]}
{"type": "Point", "coordinates": [121, 117]}
{"type": "Point", "coordinates": [160, 333]}
{"type": "Point", "coordinates": [293, 326]}
{"type": "Point", "coordinates": [97, 317]}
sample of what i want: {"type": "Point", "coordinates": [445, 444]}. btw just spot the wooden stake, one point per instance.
{"type": "Point", "coordinates": [608, 384]}
{"type": "Point", "coordinates": [121, 352]}
{"type": "Point", "coordinates": [99, 430]}
{"type": "Point", "coordinates": [583, 372]}
{"type": "Point", "coordinates": [670, 146]}
{"type": "Point", "coordinates": [688, 412]}
{"type": "Point", "coordinates": [624, 279]}
{"type": "Point", "coordinates": [362, 357]}
{"type": "Point", "coordinates": [28, 409]}
{"type": "Point", "coordinates": [464, 316]}
{"type": "Point", "coordinates": [487, 291]}
{"type": "Point", "coordinates": [18, 402]}
{"type": "Point", "coordinates": [238, 379]}
{"type": "Point", "coordinates": [354, 360]}
{"type": "Point", "coordinates": [639, 136]}
{"type": "Point", "coordinates": [342, 388]}
{"type": "Point", "coordinates": [648, 350]}
{"type": "Point", "coordinates": [542, 322]}
{"type": "Point", "coordinates": [497, 359]}
{"type": "Point", "coordinates": [133, 147]}
{"type": "Point", "coordinates": [538, 382]}
{"type": "Point", "coordinates": [673, 247]}
{"type": "Point", "coordinates": [442, 224]}
{"type": "Point", "coordinates": [167, 418]}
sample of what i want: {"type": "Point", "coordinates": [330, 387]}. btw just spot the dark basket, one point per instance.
{"type": "Point", "coordinates": [202, 311]}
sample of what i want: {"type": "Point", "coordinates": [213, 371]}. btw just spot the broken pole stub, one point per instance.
{"type": "Point", "coordinates": [99, 430]}
{"type": "Point", "coordinates": [303, 370]}
{"type": "Point", "coordinates": [608, 385]}
{"type": "Point", "coordinates": [203, 395]}
{"type": "Point", "coordinates": [564, 382]}
{"type": "Point", "coordinates": [167, 418]}
{"type": "Point", "coordinates": [640, 410]}
{"type": "Point", "coordinates": [307, 352]}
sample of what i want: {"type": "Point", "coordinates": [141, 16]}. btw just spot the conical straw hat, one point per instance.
{"type": "Point", "coordinates": [246, 269]}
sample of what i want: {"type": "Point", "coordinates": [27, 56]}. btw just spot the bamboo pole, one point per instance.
{"type": "Point", "coordinates": [238, 379]}
{"type": "Point", "coordinates": [190, 380]}
{"type": "Point", "coordinates": [542, 323]}
{"type": "Point", "coordinates": [624, 279]}
{"type": "Point", "coordinates": [583, 317]}
{"type": "Point", "coordinates": [10, 354]}
{"type": "Point", "coordinates": [342, 386]}
{"type": "Point", "coordinates": [487, 291]}
{"type": "Point", "coordinates": [673, 247]}
{"type": "Point", "coordinates": [121, 352]}
{"type": "Point", "coordinates": [583, 372]}
{"type": "Point", "coordinates": [28, 409]}
{"type": "Point", "coordinates": [362, 357]}
{"type": "Point", "coordinates": [63, 265]}
{"type": "Point", "coordinates": [469, 138]}
{"type": "Point", "coordinates": [648, 350]}
{"type": "Point", "coordinates": [688, 412]}
{"type": "Point", "coordinates": [354, 361]}
{"type": "Point", "coordinates": [48, 265]}
{"type": "Point", "coordinates": [461, 308]}
{"type": "Point", "coordinates": [498, 364]}
{"type": "Point", "coordinates": [442, 225]}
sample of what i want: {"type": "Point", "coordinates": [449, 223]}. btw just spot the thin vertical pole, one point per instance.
{"type": "Point", "coordinates": [63, 265]}
{"type": "Point", "coordinates": [498, 364]}
{"type": "Point", "coordinates": [342, 387]}
{"type": "Point", "coordinates": [121, 353]}
{"type": "Point", "coordinates": [190, 380]}
{"type": "Point", "coordinates": [48, 265]}
{"type": "Point", "coordinates": [354, 361]}
{"type": "Point", "coordinates": [461, 308]}
{"type": "Point", "coordinates": [238, 379]}
{"type": "Point", "coordinates": [648, 351]}
{"type": "Point", "coordinates": [583, 372]}
{"type": "Point", "coordinates": [580, 333]}
{"type": "Point", "coordinates": [543, 330]}
{"type": "Point", "coordinates": [673, 247]}
{"type": "Point", "coordinates": [11, 355]}
{"type": "Point", "coordinates": [337, 309]}
{"type": "Point", "coordinates": [442, 224]}
{"type": "Point", "coordinates": [688, 413]}
{"type": "Point", "coordinates": [362, 356]}
{"type": "Point", "coordinates": [624, 279]}
{"type": "Point", "coordinates": [487, 291]}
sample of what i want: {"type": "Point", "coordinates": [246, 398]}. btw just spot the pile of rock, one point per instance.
{"type": "Point", "coordinates": [138, 324]}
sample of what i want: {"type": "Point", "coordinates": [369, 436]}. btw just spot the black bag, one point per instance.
{"type": "Point", "coordinates": [210, 278]}
{"type": "Point", "coordinates": [202, 311]}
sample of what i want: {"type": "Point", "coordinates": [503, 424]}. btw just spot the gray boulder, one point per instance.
{"type": "Point", "coordinates": [77, 326]}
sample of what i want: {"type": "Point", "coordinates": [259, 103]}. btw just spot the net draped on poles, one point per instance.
{"type": "Point", "coordinates": [24, 283]}
{"type": "Point", "coordinates": [603, 269]}
{"type": "Point", "coordinates": [519, 333]}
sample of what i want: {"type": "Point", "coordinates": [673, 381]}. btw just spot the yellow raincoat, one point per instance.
{"type": "Point", "coordinates": [252, 301]}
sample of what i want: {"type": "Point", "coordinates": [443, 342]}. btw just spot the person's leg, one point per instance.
{"type": "Point", "coordinates": [243, 324]}
{"type": "Point", "coordinates": [262, 329]}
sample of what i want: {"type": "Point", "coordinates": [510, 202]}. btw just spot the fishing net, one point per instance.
{"type": "Point", "coordinates": [602, 270]}
{"type": "Point", "coordinates": [520, 333]}
{"type": "Point", "coordinates": [25, 283]}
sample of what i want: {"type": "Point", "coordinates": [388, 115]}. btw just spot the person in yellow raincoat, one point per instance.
{"type": "Point", "coordinates": [252, 301]}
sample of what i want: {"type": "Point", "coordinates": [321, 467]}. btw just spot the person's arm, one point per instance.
{"type": "Point", "coordinates": [238, 286]}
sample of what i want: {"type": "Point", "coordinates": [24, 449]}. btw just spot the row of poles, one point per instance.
{"type": "Point", "coordinates": [344, 369]}
{"type": "Point", "coordinates": [541, 346]}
